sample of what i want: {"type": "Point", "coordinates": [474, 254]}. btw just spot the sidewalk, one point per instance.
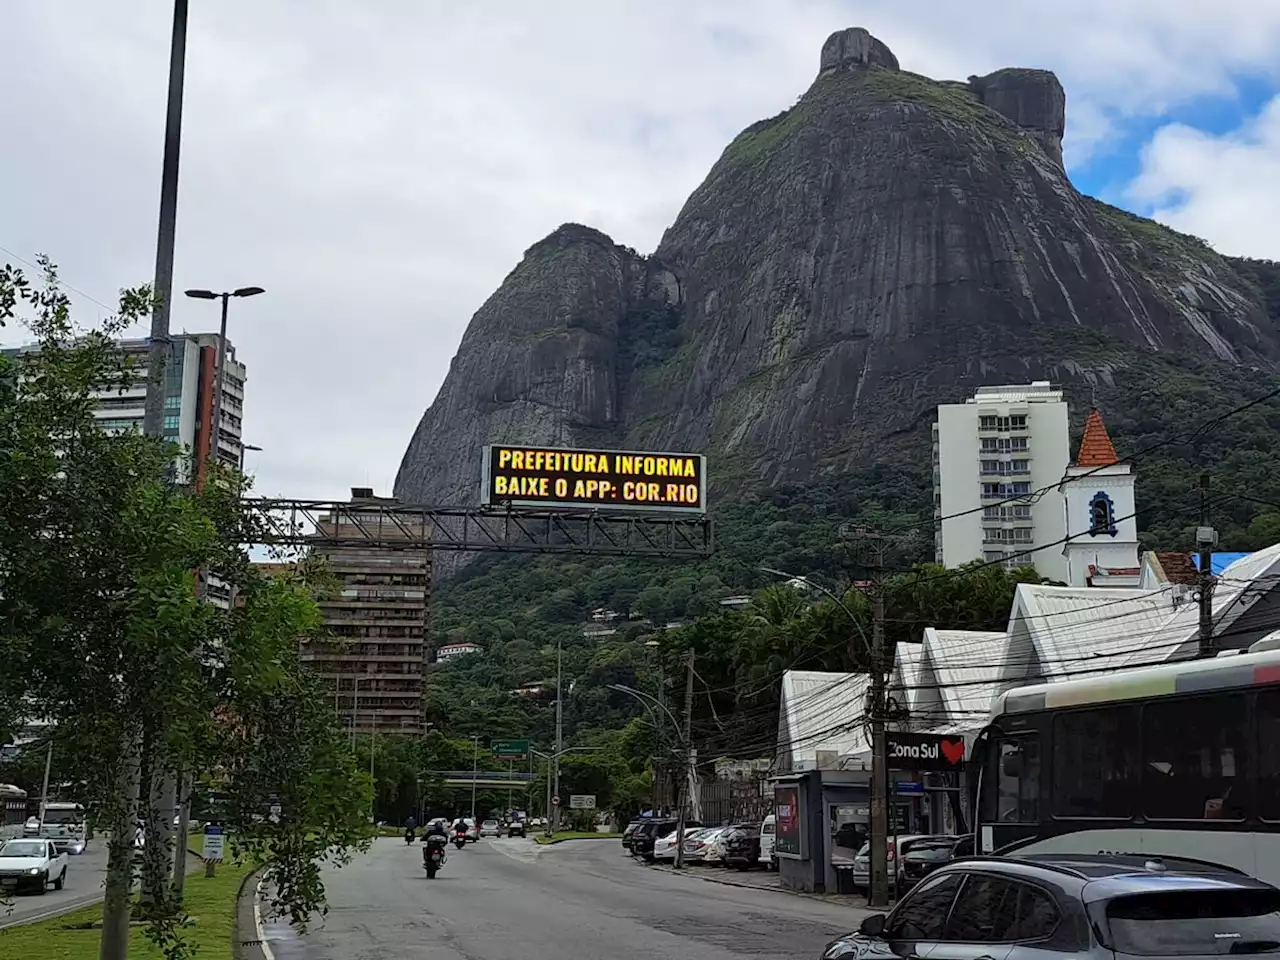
{"type": "Point", "coordinates": [763, 880]}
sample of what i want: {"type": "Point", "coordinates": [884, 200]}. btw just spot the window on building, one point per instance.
{"type": "Point", "coordinates": [1095, 762]}
{"type": "Point", "coordinates": [1020, 466]}
{"type": "Point", "coordinates": [1101, 515]}
{"type": "Point", "coordinates": [173, 403]}
{"type": "Point", "coordinates": [993, 556]}
{"type": "Point", "coordinates": [987, 423]}
{"type": "Point", "coordinates": [1017, 489]}
{"type": "Point", "coordinates": [1201, 782]}
{"type": "Point", "coordinates": [1018, 421]}
{"type": "Point", "coordinates": [1022, 535]}
{"type": "Point", "coordinates": [991, 466]}
{"type": "Point", "coordinates": [172, 421]}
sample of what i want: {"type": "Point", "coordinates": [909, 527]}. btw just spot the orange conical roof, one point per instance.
{"type": "Point", "coordinates": [1096, 449]}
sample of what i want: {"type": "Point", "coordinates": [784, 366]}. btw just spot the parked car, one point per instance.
{"type": "Point", "coordinates": [515, 828]}
{"type": "Point", "coordinates": [664, 848]}
{"type": "Point", "coordinates": [695, 844]}
{"type": "Point", "coordinates": [1085, 906]}
{"type": "Point", "coordinates": [644, 838]}
{"type": "Point", "coordinates": [921, 858]}
{"type": "Point", "coordinates": [742, 846]}
{"type": "Point", "coordinates": [713, 853]}
{"type": "Point", "coordinates": [862, 861]}
{"type": "Point", "coordinates": [767, 831]}
{"type": "Point", "coordinates": [490, 828]}
{"type": "Point", "coordinates": [31, 865]}
{"type": "Point", "coordinates": [629, 832]}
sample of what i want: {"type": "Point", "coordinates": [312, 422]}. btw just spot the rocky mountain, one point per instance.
{"type": "Point", "coordinates": [888, 243]}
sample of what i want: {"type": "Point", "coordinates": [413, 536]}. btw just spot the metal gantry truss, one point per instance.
{"type": "Point", "coordinates": [397, 526]}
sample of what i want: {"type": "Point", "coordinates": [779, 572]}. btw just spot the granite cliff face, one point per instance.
{"type": "Point", "coordinates": [888, 243]}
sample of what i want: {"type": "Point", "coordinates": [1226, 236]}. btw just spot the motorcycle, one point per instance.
{"type": "Point", "coordinates": [433, 854]}
{"type": "Point", "coordinates": [409, 836]}
{"type": "Point", "coordinates": [460, 838]}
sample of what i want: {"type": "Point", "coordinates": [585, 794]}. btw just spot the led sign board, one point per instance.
{"type": "Point", "coordinates": [602, 479]}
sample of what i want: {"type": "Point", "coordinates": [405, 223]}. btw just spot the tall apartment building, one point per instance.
{"type": "Point", "coordinates": [190, 380]}
{"type": "Point", "coordinates": [379, 624]}
{"type": "Point", "coordinates": [1002, 444]}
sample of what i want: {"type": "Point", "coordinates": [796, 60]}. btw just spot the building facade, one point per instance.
{"type": "Point", "coordinates": [190, 381]}
{"type": "Point", "coordinates": [378, 621]}
{"type": "Point", "coordinates": [991, 454]}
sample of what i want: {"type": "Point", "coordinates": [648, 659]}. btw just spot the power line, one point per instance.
{"type": "Point", "coordinates": [58, 280]}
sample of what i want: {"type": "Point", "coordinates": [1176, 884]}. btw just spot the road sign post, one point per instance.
{"type": "Point", "coordinates": [214, 845]}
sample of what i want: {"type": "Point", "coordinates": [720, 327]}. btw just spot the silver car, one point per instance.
{"type": "Point", "coordinates": [490, 828]}
{"type": "Point", "coordinates": [1073, 907]}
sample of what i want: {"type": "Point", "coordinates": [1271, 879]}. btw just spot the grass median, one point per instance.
{"type": "Point", "coordinates": [575, 835]}
{"type": "Point", "coordinates": [211, 904]}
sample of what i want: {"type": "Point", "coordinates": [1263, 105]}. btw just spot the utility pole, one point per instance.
{"type": "Point", "coordinates": [555, 815]}
{"type": "Point", "coordinates": [1205, 537]}
{"type": "Point", "coordinates": [475, 770]}
{"type": "Point", "coordinates": [879, 887]}
{"type": "Point", "coordinates": [686, 736]}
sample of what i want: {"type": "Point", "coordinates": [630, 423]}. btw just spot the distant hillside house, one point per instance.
{"type": "Point", "coordinates": [451, 650]}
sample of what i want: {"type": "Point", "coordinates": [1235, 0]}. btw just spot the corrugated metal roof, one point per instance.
{"type": "Point", "coordinates": [905, 685]}
{"type": "Point", "coordinates": [821, 711]}
{"type": "Point", "coordinates": [966, 666]}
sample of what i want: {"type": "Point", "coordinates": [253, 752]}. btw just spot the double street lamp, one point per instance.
{"type": "Point", "coordinates": [225, 297]}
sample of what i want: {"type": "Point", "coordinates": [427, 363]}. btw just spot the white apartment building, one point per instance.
{"type": "Point", "coordinates": [989, 453]}
{"type": "Point", "coordinates": [190, 379]}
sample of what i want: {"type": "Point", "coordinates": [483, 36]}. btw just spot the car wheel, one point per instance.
{"type": "Point", "coordinates": [62, 879]}
{"type": "Point", "coordinates": [43, 888]}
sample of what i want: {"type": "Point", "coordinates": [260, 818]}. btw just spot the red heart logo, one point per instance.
{"type": "Point", "coordinates": [953, 750]}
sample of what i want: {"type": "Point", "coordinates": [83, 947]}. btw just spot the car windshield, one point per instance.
{"type": "Point", "coordinates": [491, 823]}
{"type": "Point", "coordinates": [1204, 923]}
{"type": "Point", "coordinates": [63, 816]}
{"type": "Point", "coordinates": [930, 850]}
{"type": "Point", "coordinates": [22, 848]}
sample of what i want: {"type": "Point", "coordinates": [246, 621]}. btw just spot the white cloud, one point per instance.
{"type": "Point", "coordinates": [379, 167]}
{"type": "Point", "coordinates": [1225, 189]}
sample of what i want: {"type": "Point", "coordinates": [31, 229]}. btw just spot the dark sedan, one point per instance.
{"type": "Point", "coordinates": [742, 846]}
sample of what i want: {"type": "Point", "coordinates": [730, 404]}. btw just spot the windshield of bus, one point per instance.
{"type": "Point", "coordinates": [1203, 923]}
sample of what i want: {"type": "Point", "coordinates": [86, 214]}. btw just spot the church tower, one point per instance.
{"type": "Point", "coordinates": [1102, 530]}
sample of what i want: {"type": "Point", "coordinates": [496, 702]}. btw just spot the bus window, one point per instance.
{"type": "Point", "coordinates": [1269, 754]}
{"type": "Point", "coordinates": [1018, 786]}
{"type": "Point", "coordinates": [1095, 762]}
{"type": "Point", "coordinates": [1196, 758]}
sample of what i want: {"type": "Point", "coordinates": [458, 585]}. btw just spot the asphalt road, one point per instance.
{"type": "Point", "coordinates": [509, 900]}
{"type": "Point", "coordinates": [85, 875]}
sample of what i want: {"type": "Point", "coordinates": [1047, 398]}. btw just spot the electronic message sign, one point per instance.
{"type": "Point", "coordinates": [603, 479]}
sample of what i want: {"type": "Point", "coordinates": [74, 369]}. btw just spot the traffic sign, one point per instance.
{"type": "Point", "coordinates": [582, 801]}
{"type": "Point", "coordinates": [509, 749]}
{"type": "Point", "coordinates": [908, 786]}
{"type": "Point", "coordinates": [214, 843]}
{"type": "Point", "coordinates": [555, 801]}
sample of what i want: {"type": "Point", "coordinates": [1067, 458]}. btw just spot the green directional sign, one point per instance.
{"type": "Point", "coordinates": [509, 749]}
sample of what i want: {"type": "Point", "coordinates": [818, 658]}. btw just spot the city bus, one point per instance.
{"type": "Point", "coordinates": [13, 811]}
{"type": "Point", "coordinates": [1180, 760]}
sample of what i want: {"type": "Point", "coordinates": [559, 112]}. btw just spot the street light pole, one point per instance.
{"type": "Point", "coordinates": [245, 448]}
{"type": "Point", "coordinates": [475, 769]}
{"type": "Point", "coordinates": [559, 731]}
{"type": "Point", "coordinates": [554, 758]}
{"type": "Point", "coordinates": [215, 426]}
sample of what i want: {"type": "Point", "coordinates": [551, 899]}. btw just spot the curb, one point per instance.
{"type": "Point", "coordinates": [707, 878]}
{"type": "Point", "coordinates": [552, 843]}
{"type": "Point", "coordinates": [247, 942]}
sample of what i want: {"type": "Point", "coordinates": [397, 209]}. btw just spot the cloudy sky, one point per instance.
{"type": "Point", "coordinates": [380, 166]}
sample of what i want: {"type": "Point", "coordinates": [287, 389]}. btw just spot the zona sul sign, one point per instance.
{"type": "Point", "coordinates": [925, 751]}
{"type": "Point", "coordinates": [603, 479]}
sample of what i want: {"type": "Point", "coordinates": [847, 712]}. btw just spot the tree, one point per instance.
{"type": "Point", "coordinates": [103, 634]}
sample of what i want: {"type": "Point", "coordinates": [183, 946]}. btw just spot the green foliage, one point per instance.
{"type": "Point", "coordinates": [102, 631]}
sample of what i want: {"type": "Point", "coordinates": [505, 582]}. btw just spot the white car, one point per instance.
{"type": "Point", "coordinates": [664, 848]}
{"type": "Point", "coordinates": [490, 828]}
{"type": "Point", "coordinates": [31, 864]}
